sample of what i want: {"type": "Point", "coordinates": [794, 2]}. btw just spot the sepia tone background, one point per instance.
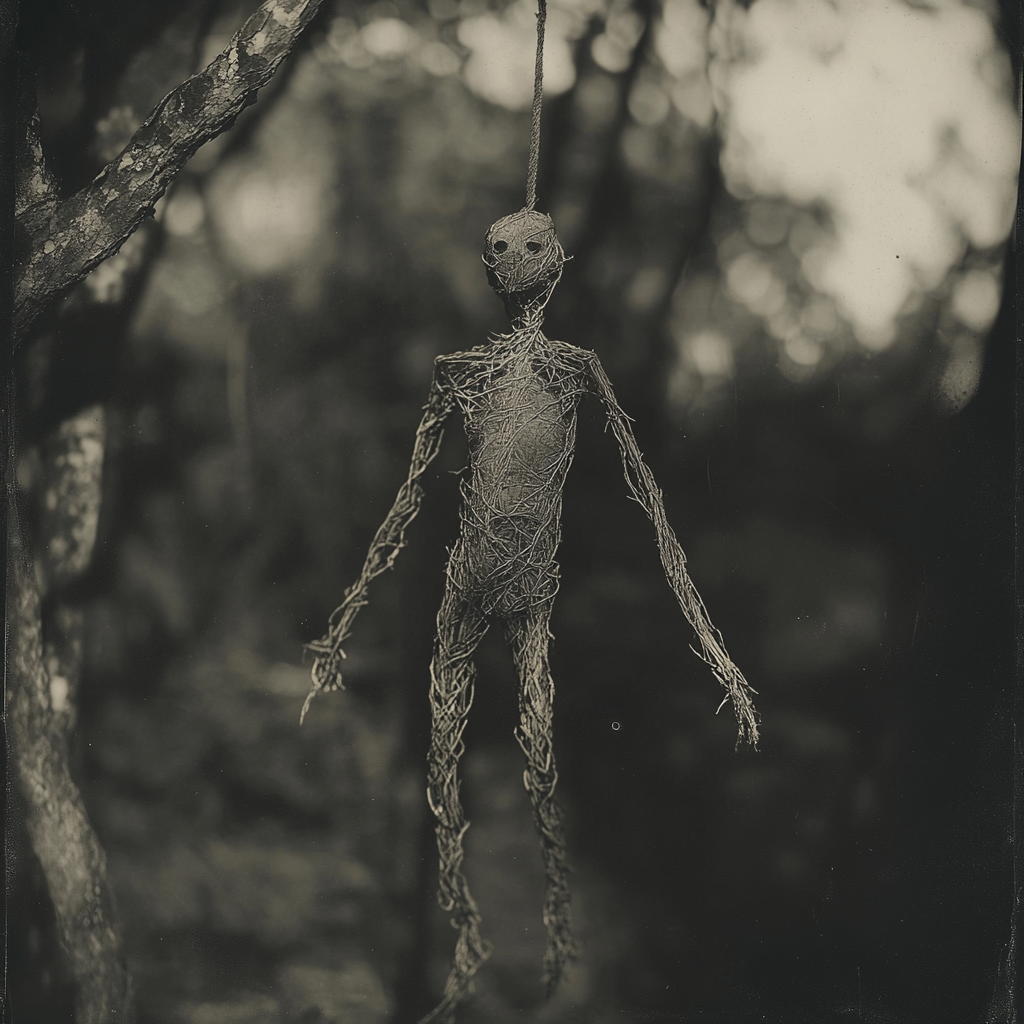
{"type": "Point", "coordinates": [788, 231]}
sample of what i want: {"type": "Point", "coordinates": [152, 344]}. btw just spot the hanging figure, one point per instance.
{"type": "Point", "coordinates": [518, 396]}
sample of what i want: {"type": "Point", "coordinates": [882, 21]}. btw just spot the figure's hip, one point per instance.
{"type": "Point", "coordinates": [505, 574]}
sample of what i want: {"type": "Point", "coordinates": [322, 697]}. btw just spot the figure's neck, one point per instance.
{"type": "Point", "coordinates": [526, 308]}
{"type": "Point", "coordinates": [526, 335]}
{"type": "Point", "coordinates": [526, 311]}
{"type": "Point", "coordinates": [523, 317]}
{"type": "Point", "coordinates": [528, 325]}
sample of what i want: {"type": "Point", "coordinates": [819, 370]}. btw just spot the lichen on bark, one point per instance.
{"type": "Point", "coordinates": [83, 230]}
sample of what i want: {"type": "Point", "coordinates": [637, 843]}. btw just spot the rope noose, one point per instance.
{"type": "Point", "coordinates": [538, 92]}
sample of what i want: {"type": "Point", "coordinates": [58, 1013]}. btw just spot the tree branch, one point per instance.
{"type": "Point", "coordinates": [92, 225]}
{"type": "Point", "coordinates": [41, 715]}
{"type": "Point", "coordinates": [35, 195]}
{"type": "Point", "coordinates": [62, 837]}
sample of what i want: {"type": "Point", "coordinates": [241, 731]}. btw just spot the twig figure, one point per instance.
{"type": "Point", "coordinates": [518, 396]}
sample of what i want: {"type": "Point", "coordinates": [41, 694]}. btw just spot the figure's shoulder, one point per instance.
{"type": "Point", "coordinates": [468, 357]}
{"type": "Point", "coordinates": [450, 366]}
{"type": "Point", "coordinates": [567, 349]}
{"type": "Point", "coordinates": [574, 360]}
{"type": "Point", "coordinates": [571, 353]}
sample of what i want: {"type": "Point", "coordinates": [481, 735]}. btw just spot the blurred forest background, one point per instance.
{"type": "Point", "coordinates": [788, 225]}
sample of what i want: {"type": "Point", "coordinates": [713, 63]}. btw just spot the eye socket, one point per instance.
{"type": "Point", "coordinates": [500, 246]}
{"type": "Point", "coordinates": [534, 246]}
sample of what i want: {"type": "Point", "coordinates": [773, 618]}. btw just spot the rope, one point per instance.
{"type": "Point", "coordinates": [538, 92]}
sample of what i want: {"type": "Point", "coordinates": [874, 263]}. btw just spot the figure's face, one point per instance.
{"type": "Point", "coordinates": [523, 257]}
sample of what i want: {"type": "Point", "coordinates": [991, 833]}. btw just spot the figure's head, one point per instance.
{"type": "Point", "coordinates": [524, 260]}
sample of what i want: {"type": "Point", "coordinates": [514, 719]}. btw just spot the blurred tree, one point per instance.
{"type": "Point", "coordinates": [59, 240]}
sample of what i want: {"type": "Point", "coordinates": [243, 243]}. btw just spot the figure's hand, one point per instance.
{"type": "Point", "coordinates": [741, 695]}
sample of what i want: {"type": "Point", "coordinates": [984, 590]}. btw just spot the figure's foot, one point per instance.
{"type": "Point", "coordinates": [470, 952]}
{"type": "Point", "coordinates": [562, 950]}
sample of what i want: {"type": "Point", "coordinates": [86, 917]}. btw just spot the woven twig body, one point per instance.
{"type": "Point", "coordinates": [518, 396]}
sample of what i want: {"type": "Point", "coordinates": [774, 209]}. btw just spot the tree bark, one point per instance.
{"type": "Point", "coordinates": [58, 243]}
{"type": "Point", "coordinates": [81, 232]}
{"type": "Point", "coordinates": [41, 714]}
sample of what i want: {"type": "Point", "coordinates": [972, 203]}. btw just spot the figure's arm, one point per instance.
{"type": "Point", "coordinates": [645, 491]}
{"type": "Point", "coordinates": [389, 540]}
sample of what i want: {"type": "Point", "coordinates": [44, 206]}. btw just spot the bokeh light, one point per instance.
{"type": "Point", "coordinates": [270, 210]}
{"type": "Point", "coordinates": [895, 119]}
{"type": "Point", "coordinates": [503, 49]}
{"type": "Point", "coordinates": [681, 43]}
{"type": "Point", "coordinates": [270, 221]}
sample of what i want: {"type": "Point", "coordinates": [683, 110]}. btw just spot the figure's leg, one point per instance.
{"type": "Point", "coordinates": [460, 627]}
{"type": "Point", "coordinates": [528, 637]}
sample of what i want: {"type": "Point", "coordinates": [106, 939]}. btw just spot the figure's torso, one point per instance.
{"type": "Point", "coordinates": [519, 407]}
